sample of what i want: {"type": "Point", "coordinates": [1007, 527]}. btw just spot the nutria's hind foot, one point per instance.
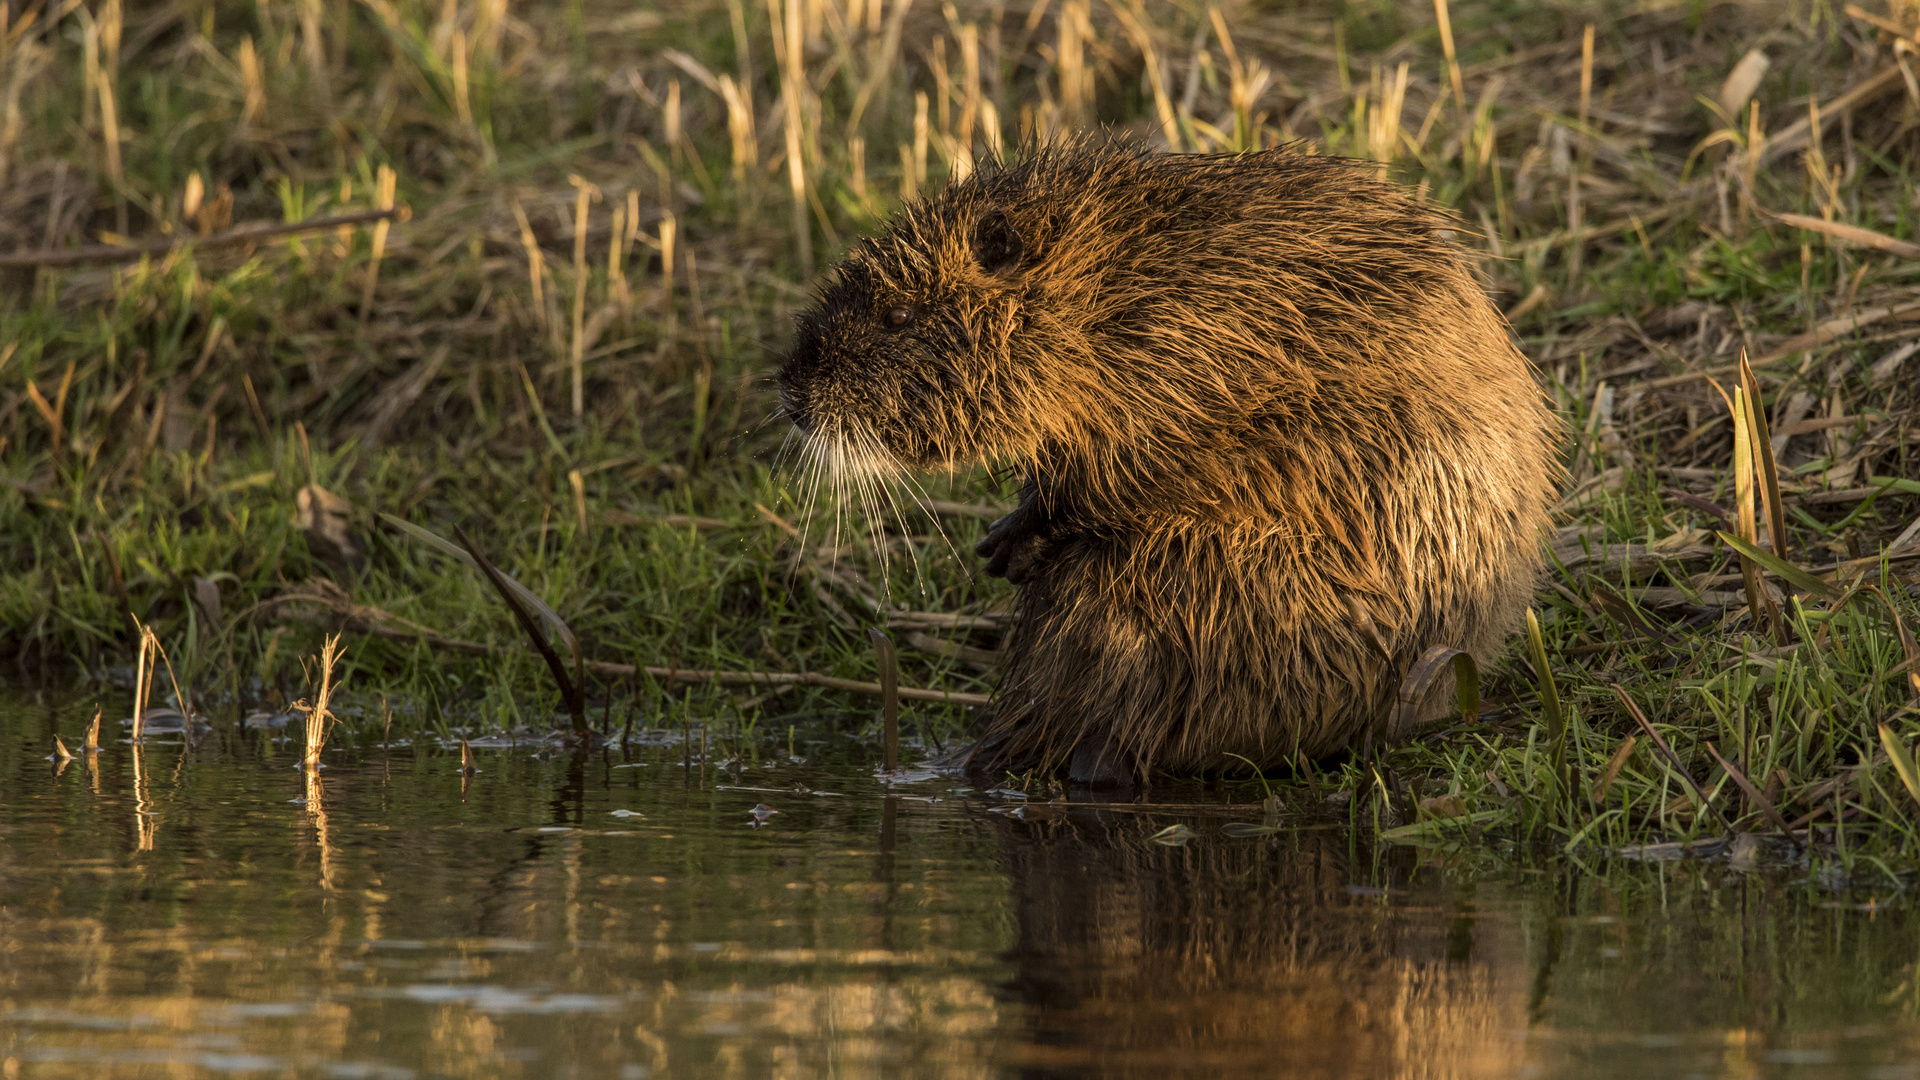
{"type": "Point", "coordinates": [1100, 765]}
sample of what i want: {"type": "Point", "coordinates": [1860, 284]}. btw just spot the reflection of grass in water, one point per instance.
{"type": "Point", "coordinates": [320, 720]}
{"type": "Point", "coordinates": [159, 420]}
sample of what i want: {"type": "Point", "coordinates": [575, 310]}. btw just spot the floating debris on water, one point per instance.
{"type": "Point", "coordinates": [162, 720]}
{"type": "Point", "coordinates": [1704, 848]}
{"type": "Point", "coordinates": [1173, 835]}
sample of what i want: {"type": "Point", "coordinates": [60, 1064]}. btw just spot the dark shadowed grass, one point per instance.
{"type": "Point", "coordinates": [632, 202]}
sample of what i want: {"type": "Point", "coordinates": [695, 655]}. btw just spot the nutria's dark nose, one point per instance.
{"type": "Point", "coordinates": [800, 373]}
{"type": "Point", "coordinates": [793, 397]}
{"type": "Point", "coordinates": [790, 402]}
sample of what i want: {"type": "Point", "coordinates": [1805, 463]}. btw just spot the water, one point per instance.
{"type": "Point", "coordinates": [182, 914]}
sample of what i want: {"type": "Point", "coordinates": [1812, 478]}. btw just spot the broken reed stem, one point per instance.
{"type": "Point", "coordinates": [788, 46]}
{"type": "Point", "coordinates": [317, 714]}
{"type": "Point", "coordinates": [1743, 500]}
{"type": "Point", "coordinates": [585, 193]}
{"type": "Point", "coordinates": [1612, 770]}
{"type": "Point", "coordinates": [244, 234]}
{"type": "Point", "coordinates": [889, 695]}
{"type": "Point", "coordinates": [110, 139]}
{"type": "Point", "coordinates": [1156, 78]}
{"type": "Point", "coordinates": [1239, 95]}
{"type": "Point", "coordinates": [1768, 488]}
{"type": "Point", "coordinates": [536, 262]}
{"type": "Point", "coordinates": [93, 732]}
{"type": "Point", "coordinates": [1553, 711]}
{"type": "Point", "coordinates": [179, 695]}
{"type": "Point", "coordinates": [633, 706]}
{"type": "Point", "coordinates": [253, 85]}
{"type": "Point", "coordinates": [570, 690]}
{"type": "Point", "coordinates": [385, 183]}
{"type": "Point", "coordinates": [669, 233]}
{"type": "Point", "coordinates": [579, 484]}
{"type": "Point", "coordinates": [462, 101]}
{"type": "Point", "coordinates": [314, 51]}
{"type": "Point", "coordinates": [1576, 247]}
{"type": "Point", "coordinates": [1453, 64]}
{"type": "Point", "coordinates": [9, 102]}
{"type": "Point", "coordinates": [739, 102]}
{"type": "Point", "coordinates": [617, 290]}
{"type": "Point", "coordinates": [632, 231]}
{"type": "Point", "coordinates": [89, 68]}
{"type": "Point", "coordinates": [54, 412]}
{"type": "Point", "coordinates": [1756, 489]}
{"type": "Point", "coordinates": [143, 673]}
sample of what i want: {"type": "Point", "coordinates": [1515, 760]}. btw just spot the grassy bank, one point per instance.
{"type": "Point", "coordinates": [595, 221]}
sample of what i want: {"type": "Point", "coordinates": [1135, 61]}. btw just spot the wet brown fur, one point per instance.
{"type": "Point", "coordinates": [1259, 401]}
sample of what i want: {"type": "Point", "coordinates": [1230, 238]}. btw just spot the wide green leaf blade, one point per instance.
{"type": "Point", "coordinates": [1800, 579]}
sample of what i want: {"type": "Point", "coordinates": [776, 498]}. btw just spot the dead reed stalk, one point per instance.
{"type": "Point", "coordinates": [889, 695]}
{"type": "Point", "coordinates": [385, 184]}
{"type": "Point", "coordinates": [585, 193]}
{"type": "Point", "coordinates": [145, 666]}
{"type": "Point", "coordinates": [320, 718]}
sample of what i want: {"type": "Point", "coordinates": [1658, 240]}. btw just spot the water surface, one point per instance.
{"type": "Point", "coordinates": [205, 912]}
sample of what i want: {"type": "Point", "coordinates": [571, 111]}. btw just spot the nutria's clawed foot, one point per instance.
{"type": "Point", "coordinates": [1013, 544]}
{"type": "Point", "coordinates": [1099, 765]}
{"type": "Point", "coordinates": [1096, 765]}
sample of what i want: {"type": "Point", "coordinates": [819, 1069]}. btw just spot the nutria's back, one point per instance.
{"type": "Point", "coordinates": [1260, 402]}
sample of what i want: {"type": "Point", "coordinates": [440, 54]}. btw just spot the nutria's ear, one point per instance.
{"type": "Point", "coordinates": [997, 246]}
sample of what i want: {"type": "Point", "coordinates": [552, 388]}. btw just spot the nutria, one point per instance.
{"type": "Point", "coordinates": [1275, 443]}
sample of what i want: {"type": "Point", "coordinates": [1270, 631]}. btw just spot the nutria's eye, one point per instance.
{"type": "Point", "coordinates": [898, 317]}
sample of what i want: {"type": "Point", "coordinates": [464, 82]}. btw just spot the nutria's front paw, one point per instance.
{"type": "Point", "coordinates": [1008, 549]}
{"type": "Point", "coordinates": [1022, 561]}
{"type": "Point", "coordinates": [1014, 544]}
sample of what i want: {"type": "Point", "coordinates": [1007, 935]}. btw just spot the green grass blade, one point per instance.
{"type": "Point", "coordinates": [1549, 692]}
{"type": "Point", "coordinates": [1550, 708]}
{"type": "Point", "coordinates": [1768, 473]}
{"type": "Point", "coordinates": [453, 551]}
{"type": "Point", "coordinates": [1902, 759]}
{"type": "Point", "coordinates": [1774, 564]}
{"type": "Point", "coordinates": [1897, 483]}
{"type": "Point", "coordinates": [1466, 685]}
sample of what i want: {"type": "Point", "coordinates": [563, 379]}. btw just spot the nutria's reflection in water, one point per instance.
{"type": "Point", "coordinates": [1232, 957]}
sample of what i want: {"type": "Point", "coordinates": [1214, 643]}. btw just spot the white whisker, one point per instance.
{"type": "Point", "coordinates": [847, 462]}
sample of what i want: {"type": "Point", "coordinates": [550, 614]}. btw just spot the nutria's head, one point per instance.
{"type": "Point", "coordinates": [1135, 321]}
{"type": "Point", "coordinates": [900, 364]}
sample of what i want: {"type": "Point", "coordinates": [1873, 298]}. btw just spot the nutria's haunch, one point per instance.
{"type": "Point", "coordinates": [1276, 442]}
